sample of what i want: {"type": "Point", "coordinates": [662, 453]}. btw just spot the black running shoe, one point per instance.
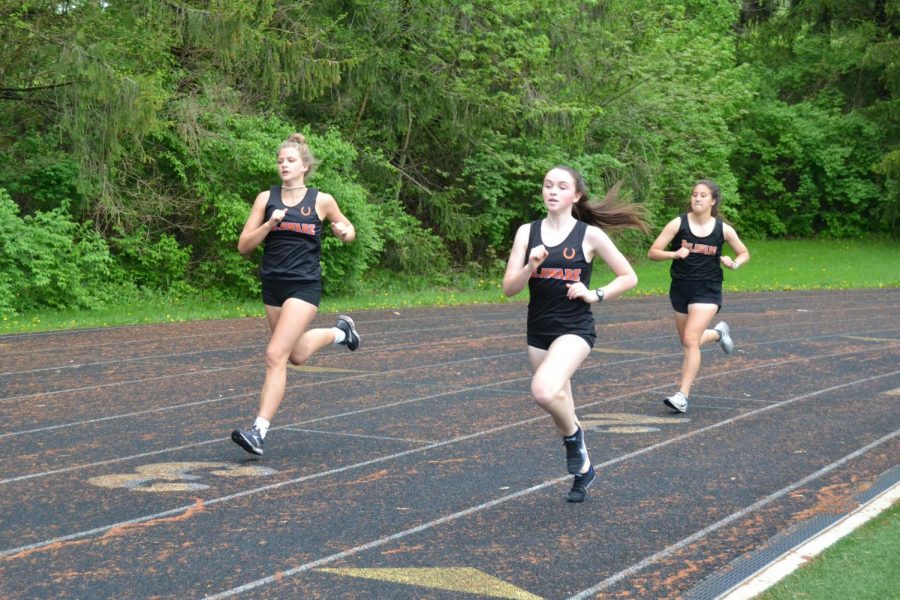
{"type": "Point", "coordinates": [579, 487]}
{"type": "Point", "coordinates": [351, 336]}
{"type": "Point", "coordinates": [248, 439]}
{"type": "Point", "coordinates": [576, 452]}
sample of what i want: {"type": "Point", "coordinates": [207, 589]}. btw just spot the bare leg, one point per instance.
{"type": "Point", "coordinates": [551, 388]}
{"type": "Point", "coordinates": [290, 341]}
{"type": "Point", "coordinates": [693, 329]}
{"type": "Point", "coordinates": [551, 385]}
{"type": "Point", "coordinates": [309, 343]}
{"type": "Point", "coordinates": [288, 324]}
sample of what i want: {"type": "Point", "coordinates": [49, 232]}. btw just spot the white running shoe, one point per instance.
{"type": "Point", "coordinates": [677, 402]}
{"type": "Point", "coordinates": [725, 337]}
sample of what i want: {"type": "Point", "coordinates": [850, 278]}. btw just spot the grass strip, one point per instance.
{"type": "Point", "coordinates": [865, 565]}
{"type": "Point", "coordinates": [775, 265]}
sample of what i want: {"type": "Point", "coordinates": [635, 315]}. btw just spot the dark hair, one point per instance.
{"type": "Point", "coordinates": [297, 141]}
{"type": "Point", "coordinates": [715, 191]}
{"type": "Point", "coordinates": [611, 213]}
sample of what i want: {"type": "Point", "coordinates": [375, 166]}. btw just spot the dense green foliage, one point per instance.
{"type": "Point", "coordinates": [817, 150]}
{"type": "Point", "coordinates": [136, 134]}
{"type": "Point", "coordinates": [46, 259]}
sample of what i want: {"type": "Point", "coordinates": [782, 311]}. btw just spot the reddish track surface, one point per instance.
{"type": "Point", "coordinates": [418, 467]}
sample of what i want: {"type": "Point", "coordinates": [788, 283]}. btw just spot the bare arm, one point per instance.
{"type": "Point", "coordinates": [743, 255]}
{"type": "Point", "coordinates": [599, 244]}
{"type": "Point", "coordinates": [255, 229]}
{"type": "Point", "coordinates": [340, 225]}
{"type": "Point", "coordinates": [518, 271]}
{"type": "Point", "coordinates": [658, 248]}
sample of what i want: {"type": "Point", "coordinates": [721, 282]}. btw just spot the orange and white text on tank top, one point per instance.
{"type": "Point", "coordinates": [554, 273]}
{"type": "Point", "coordinates": [699, 248]}
{"type": "Point", "coordinates": [307, 228]}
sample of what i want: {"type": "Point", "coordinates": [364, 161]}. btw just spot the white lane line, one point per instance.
{"type": "Point", "coordinates": [771, 364]}
{"type": "Point", "coordinates": [306, 384]}
{"type": "Point", "coordinates": [670, 550]}
{"type": "Point", "coordinates": [730, 398]}
{"type": "Point", "coordinates": [358, 435]}
{"type": "Point", "coordinates": [273, 486]}
{"type": "Point", "coordinates": [148, 411]}
{"type": "Point", "coordinates": [113, 361]}
{"type": "Point", "coordinates": [753, 301]}
{"type": "Point", "coordinates": [452, 517]}
{"type": "Point", "coordinates": [136, 413]}
{"type": "Point", "coordinates": [133, 342]}
{"type": "Point", "coordinates": [362, 375]}
{"type": "Point", "coordinates": [378, 348]}
{"type": "Point", "coordinates": [241, 364]}
{"type": "Point", "coordinates": [695, 405]}
{"type": "Point", "coordinates": [129, 382]}
{"type": "Point", "coordinates": [256, 327]}
{"type": "Point", "coordinates": [205, 351]}
{"type": "Point", "coordinates": [871, 339]}
{"type": "Point", "coordinates": [503, 316]}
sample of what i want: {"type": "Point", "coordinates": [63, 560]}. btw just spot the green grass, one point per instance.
{"type": "Point", "coordinates": [797, 265]}
{"type": "Point", "coordinates": [151, 308]}
{"type": "Point", "coordinates": [863, 566]}
{"type": "Point", "coordinates": [775, 265]}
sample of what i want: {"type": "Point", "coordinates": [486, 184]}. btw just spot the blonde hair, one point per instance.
{"type": "Point", "coordinates": [297, 141]}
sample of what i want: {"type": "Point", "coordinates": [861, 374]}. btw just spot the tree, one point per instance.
{"type": "Point", "coordinates": [818, 151]}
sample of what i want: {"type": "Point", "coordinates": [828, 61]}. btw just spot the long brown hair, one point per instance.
{"type": "Point", "coordinates": [612, 213]}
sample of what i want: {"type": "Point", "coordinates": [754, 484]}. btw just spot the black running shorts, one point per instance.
{"type": "Point", "coordinates": [687, 291]}
{"type": "Point", "coordinates": [276, 291]}
{"type": "Point", "coordinates": [542, 341]}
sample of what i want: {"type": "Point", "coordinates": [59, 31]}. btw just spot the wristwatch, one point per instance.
{"type": "Point", "coordinates": [600, 293]}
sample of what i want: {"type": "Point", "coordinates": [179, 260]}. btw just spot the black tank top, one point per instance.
{"type": "Point", "coordinates": [293, 248]}
{"type": "Point", "coordinates": [550, 312]}
{"type": "Point", "coordinates": [703, 261]}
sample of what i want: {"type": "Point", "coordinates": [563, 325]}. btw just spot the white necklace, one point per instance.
{"type": "Point", "coordinates": [296, 187]}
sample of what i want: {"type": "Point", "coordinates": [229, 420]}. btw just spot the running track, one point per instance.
{"type": "Point", "coordinates": [418, 467]}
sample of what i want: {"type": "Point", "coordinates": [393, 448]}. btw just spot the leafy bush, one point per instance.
{"type": "Point", "coordinates": [157, 264]}
{"type": "Point", "coordinates": [39, 174]}
{"type": "Point", "coordinates": [805, 170]}
{"type": "Point", "coordinates": [46, 259]}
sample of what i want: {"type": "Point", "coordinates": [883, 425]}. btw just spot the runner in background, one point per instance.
{"type": "Point", "coordinates": [694, 243]}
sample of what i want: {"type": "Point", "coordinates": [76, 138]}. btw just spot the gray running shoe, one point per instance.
{"type": "Point", "coordinates": [576, 451]}
{"type": "Point", "coordinates": [677, 402]}
{"type": "Point", "coordinates": [248, 439]}
{"type": "Point", "coordinates": [351, 336]}
{"type": "Point", "coordinates": [725, 337]}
